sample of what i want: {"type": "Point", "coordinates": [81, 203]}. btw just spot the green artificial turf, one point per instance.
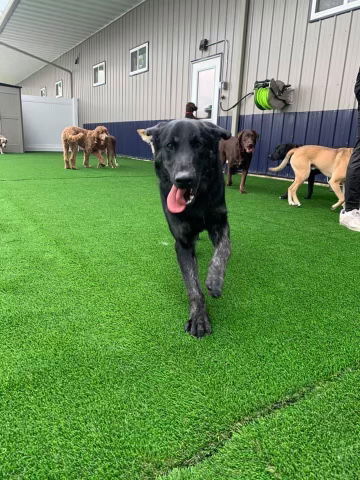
{"type": "Point", "coordinates": [98, 379]}
{"type": "Point", "coordinates": [316, 438]}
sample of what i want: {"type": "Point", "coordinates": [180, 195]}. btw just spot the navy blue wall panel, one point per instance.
{"type": "Point", "coordinates": [333, 128]}
{"type": "Point", "coordinates": [225, 122]}
{"type": "Point", "coordinates": [128, 142]}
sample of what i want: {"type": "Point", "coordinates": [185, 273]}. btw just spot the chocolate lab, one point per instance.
{"type": "Point", "coordinates": [193, 199]}
{"type": "Point", "coordinates": [189, 111]}
{"type": "Point", "coordinates": [238, 152]}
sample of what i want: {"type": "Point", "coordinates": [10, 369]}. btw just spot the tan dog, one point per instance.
{"type": "Point", "coordinates": [91, 141]}
{"type": "Point", "coordinates": [3, 143]}
{"type": "Point", "coordinates": [332, 162]}
{"type": "Point", "coordinates": [146, 138]}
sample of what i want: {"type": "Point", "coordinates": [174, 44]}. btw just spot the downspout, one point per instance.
{"type": "Point", "coordinates": [42, 60]}
{"type": "Point", "coordinates": [240, 69]}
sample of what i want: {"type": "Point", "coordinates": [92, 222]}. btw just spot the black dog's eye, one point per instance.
{"type": "Point", "coordinates": [196, 143]}
{"type": "Point", "coordinates": [170, 146]}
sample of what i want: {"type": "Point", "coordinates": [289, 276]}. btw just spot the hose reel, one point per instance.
{"type": "Point", "coordinates": [272, 94]}
{"type": "Point", "coordinates": [268, 95]}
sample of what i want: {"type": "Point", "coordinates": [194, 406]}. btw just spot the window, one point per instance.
{"type": "Point", "coordinates": [43, 92]}
{"type": "Point", "coordinates": [59, 89]}
{"type": "Point", "coordinates": [99, 74]}
{"type": "Point", "coordinates": [327, 8]}
{"type": "Point", "coordinates": [139, 59]}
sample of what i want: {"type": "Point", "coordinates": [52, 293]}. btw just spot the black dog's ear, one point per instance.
{"type": "Point", "coordinates": [257, 135]}
{"type": "Point", "coordinates": [218, 131]}
{"type": "Point", "coordinates": [153, 131]}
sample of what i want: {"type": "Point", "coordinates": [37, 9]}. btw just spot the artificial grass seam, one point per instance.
{"type": "Point", "coordinates": [267, 411]}
{"type": "Point", "coordinates": [73, 178]}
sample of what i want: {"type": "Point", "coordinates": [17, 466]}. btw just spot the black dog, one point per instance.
{"type": "Point", "coordinates": [193, 198]}
{"type": "Point", "coordinates": [279, 154]}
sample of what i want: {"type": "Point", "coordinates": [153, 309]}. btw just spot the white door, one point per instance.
{"type": "Point", "coordinates": [205, 87]}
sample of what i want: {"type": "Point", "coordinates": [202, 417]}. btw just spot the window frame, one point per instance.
{"type": "Point", "coordinates": [43, 89]}
{"type": "Point", "coordinates": [346, 6]}
{"type": "Point", "coordinates": [136, 49]}
{"type": "Point", "coordinates": [61, 83]}
{"type": "Point", "coordinates": [98, 84]}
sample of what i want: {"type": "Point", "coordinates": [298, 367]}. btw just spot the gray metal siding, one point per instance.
{"type": "Point", "coordinates": [319, 59]}
{"type": "Point", "coordinates": [174, 29]}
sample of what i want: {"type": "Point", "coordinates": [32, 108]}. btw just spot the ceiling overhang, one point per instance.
{"type": "Point", "coordinates": [48, 29]}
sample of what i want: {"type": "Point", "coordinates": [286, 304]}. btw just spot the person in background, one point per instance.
{"type": "Point", "coordinates": [350, 215]}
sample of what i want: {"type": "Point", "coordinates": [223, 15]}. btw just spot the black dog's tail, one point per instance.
{"type": "Point", "coordinates": [284, 162]}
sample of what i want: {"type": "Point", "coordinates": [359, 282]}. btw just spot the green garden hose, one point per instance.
{"type": "Point", "coordinates": [261, 98]}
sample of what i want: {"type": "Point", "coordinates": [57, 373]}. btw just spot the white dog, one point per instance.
{"type": "Point", "coordinates": [3, 142]}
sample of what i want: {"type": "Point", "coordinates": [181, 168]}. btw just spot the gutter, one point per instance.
{"type": "Point", "coordinates": [42, 60]}
{"type": "Point", "coordinates": [8, 13]}
{"type": "Point", "coordinates": [240, 70]}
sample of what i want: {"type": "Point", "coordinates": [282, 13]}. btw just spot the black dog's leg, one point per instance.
{"type": "Point", "coordinates": [219, 236]}
{"type": "Point", "coordinates": [311, 181]}
{"type": "Point", "coordinates": [198, 324]}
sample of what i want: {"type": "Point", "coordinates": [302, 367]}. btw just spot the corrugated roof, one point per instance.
{"type": "Point", "coordinates": [49, 28]}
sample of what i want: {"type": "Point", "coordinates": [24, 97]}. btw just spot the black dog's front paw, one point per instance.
{"type": "Point", "coordinates": [198, 325]}
{"type": "Point", "coordinates": [214, 284]}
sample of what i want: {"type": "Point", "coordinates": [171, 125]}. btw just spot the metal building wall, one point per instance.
{"type": "Point", "coordinates": [174, 29]}
{"type": "Point", "coordinates": [319, 59]}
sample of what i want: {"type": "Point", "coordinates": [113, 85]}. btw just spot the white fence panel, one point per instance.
{"type": "Point", "coordinates": [43, 120]}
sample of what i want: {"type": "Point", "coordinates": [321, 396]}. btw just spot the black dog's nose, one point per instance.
{"type": "Point", "coordinates": [184, 179]}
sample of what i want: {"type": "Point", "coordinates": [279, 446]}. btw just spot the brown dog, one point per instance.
{"type": "Point", "coordinates": [332, 162]}
{"type": "Point", "coordinates": [91, 141]}
{"type": "Point", "coordinates": [189, 111]}
{"type": "Point", "coordinates": [110, 147]}
{"type": "Point", "coordinates": [237, 152]}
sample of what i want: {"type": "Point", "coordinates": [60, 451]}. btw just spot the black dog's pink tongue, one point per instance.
{"type": "Point", "coordinates": [176, 202]}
